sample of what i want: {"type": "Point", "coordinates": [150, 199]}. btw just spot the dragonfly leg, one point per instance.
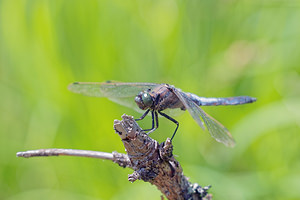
{"type": "Point", "coordinates": [154, 123]}
{"type": "Point", "coordinates": [154, 119]}
{"type": "Point", "coordinates": [143, 116]}
{"type": "Point", "coordinates": [171, 119]}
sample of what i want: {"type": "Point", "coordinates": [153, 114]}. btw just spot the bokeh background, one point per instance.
{"type": "Point", "coordinates": [207, 47]}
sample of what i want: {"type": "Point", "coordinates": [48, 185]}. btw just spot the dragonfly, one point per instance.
{"type": "Point", "coordinates": [158, 98]}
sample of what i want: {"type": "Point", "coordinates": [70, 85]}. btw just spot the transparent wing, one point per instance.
{"type": "Point", "coordinates": [216, 130]}
{"type": "Point", "coordinates": [174, 112]}
{"type": "Point", "coordinates": [189, 106]}
{"type": "Point", "coordinates": [119, 92]}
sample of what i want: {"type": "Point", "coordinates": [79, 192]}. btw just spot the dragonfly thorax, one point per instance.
{"type": "Point", "coordinates": [159, 98]}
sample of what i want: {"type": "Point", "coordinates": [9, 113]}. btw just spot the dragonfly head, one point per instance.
{"type": "Point", "coordinates": [144, 100]}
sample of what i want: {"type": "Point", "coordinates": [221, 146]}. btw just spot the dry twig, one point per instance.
{"type": "Point", "coordinates": [152, 162]}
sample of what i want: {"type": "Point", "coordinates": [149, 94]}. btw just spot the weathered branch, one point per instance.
{"type": "Point", "coordinates": [152, 162]}
{"type": "Point", "coordinates": [119, 158]}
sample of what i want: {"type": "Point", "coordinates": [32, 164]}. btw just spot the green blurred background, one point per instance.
{"type": "Point", "coordinates": [207, 47]}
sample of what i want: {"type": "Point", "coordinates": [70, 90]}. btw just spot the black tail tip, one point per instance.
{"type": "Point", "coordinates": [252, 99]}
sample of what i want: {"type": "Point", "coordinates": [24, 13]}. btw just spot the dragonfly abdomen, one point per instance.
{"type": "Point", "coordinates": [204, 101]}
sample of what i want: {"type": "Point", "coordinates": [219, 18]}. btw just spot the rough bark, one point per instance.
{"type": "Point", "coordinates": [154, 163]}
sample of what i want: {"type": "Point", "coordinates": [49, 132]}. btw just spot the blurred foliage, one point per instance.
{"type": "Point", "coordinates": [208, 47]}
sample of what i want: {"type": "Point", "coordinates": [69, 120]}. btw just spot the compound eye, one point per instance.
{"type": "Point", "coordinates": [147, 99]}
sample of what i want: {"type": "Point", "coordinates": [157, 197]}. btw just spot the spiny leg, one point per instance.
{"type": "Point", "coordinates": [143, 116]}
{"type": "Point", "coordinates": [153, 122]}
{"type": "Point", "coordinates": [154, 117]}
{"type": "Point", "coordinates": [173, 120]}
{"type": "Point", "coordinates": [156, 120]}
